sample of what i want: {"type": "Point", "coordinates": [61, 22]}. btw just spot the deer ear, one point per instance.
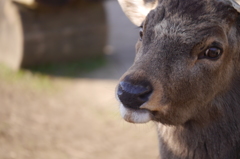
{"type": "Point", "coordinates": [234, 4]}
{"type": "Point", "coordinates": [137, 10]}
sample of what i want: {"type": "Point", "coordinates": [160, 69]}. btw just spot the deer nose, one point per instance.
{"type": "Point", "coordinates": [133, 95]}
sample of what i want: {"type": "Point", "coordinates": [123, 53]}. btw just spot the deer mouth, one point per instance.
{"type": "Point", "coordinates": [135, 115]}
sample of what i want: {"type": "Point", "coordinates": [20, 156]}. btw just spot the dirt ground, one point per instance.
{"type": "Point", "coordinates": [76, 118]}
{"type": "Point", "coordinates": [79, 120]}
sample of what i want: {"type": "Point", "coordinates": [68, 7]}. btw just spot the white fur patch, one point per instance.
{"type": "Point", "coordinates": [135, 116]}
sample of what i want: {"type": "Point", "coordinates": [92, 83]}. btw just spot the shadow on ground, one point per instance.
{"type": "Point", "coordinates": [77, 69]}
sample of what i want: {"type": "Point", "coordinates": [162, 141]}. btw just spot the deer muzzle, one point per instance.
{"type": "Point", "coordinates": [133, 94]}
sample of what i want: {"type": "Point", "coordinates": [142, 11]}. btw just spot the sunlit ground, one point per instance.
{"type": "Point", "coordinates": [72, 113]}
{"type": "Point", "coordinates": [66, 119]}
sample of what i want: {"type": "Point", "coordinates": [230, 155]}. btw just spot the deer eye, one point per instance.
{"type": "Point", "coordinates": [212, 53]}
{"type": "Point", "coordinates": [141, 33]}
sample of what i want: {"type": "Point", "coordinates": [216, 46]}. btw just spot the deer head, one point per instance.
{"type": "Point", "coordinates": [187, 58]}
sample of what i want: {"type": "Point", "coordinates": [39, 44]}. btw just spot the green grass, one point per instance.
{"type": "Point", "coordinates": [41, 77]}
{"type": "Point", "coordinates": [25, 78]}
{"type": "Point", "coordinates": [73, 69]}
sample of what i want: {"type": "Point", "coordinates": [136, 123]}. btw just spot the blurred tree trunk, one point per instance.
{"type": "Point", "coordinates": [53, 31]}
{"type": "Point", "coordinates": [11, 38]}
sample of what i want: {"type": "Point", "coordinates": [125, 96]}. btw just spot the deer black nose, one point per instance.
{"type": "Point", "coordinates": [134, 95]}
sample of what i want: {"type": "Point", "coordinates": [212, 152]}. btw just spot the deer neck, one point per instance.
{"type": "Point", "coordinates": [222, 135]}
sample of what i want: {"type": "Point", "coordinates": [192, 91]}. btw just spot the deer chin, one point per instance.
{"type": "Point", "coordinates": [135, 116]}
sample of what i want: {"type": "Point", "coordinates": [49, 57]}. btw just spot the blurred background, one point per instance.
{"type": "Point", "coordinates": [60, 61]}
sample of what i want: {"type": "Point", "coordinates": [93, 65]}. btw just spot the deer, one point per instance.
{"type": "Point", "coordinates": [185, 76]}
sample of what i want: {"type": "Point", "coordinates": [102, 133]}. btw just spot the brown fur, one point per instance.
{"type": "Point", "coordinates": [195, 102]}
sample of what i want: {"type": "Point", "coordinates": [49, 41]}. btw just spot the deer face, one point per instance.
{"type": "Point", "coordinates": [186, 57]}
